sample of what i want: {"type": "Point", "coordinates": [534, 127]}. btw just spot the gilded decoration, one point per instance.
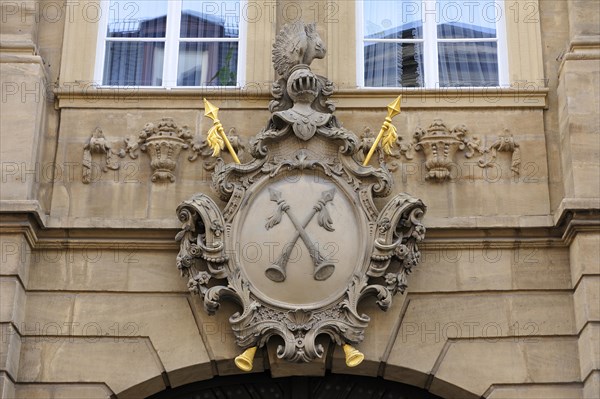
{"type": "Point", "coordinates": [163, 141]}
{"type": "Point", "coordinates": [299, 242]}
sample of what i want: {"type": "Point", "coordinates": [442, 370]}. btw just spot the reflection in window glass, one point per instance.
{"type": "Point", "coordinates": [207, 64]}
{"type": "Point", "coordinates": [203, 43]}
{"type": "Point", "coordinates": [137, 18]}
{"type": "Point", "coordinates": [467, 19]}
{"type": "Point", "coordinates": [210, 18]}
{"type": "Point", "coordinates": [133, 63]}
{"type": "Point", "coordinates": [393, 64]}
{"type": "Point", "coordinates": [468, 64]}
{"type": "Point", "coordinates": [460, 38]}
{"type": "Point", "coordinates": [392, 19]}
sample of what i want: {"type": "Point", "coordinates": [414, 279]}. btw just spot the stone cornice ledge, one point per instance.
{"type": "Point", "coordinates": [576, 215]}
{"type": "Point", "coordinates": [19, 52]}
{"type": "Point", "coordinates": [17, 46]}
{"type": "Point", "coordinates": [580, 48]}
{"type": "Point", "coordinates": [445, 97]}
{"type": "Point", "coordinates": [20, 58]}
{"type": "Point", "coordinates": [502, 232]}
{"type": "Point", "coordinates": [256, 97]}
{"type": "Point", "coordinates": [31, 207]}
{"type": "Point", "coordinates": [461, 222]}
{"type": "Point", "coordinates": [572, 216]}
{"type": "Point", "coordinates": [574, 204]}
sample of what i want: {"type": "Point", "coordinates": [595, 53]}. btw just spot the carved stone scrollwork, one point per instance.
{"type": "Point", "coordinates": [98, 144]}
{"type": "Point", "coordinates": [505, 143]}
{"type": "Point", "coordinates": [201, 242]}
{"type": "Point", "coordinates": [398, 231]}
{"type": "Point", "coordinates": [303, 202]}
{"type": "Point", "coordinates": [200, 148]}
{"type": "Point", "coordinates": [162, 141]}
{"type": "Point", "coordinates": [440, 144]}
{"type": "Point", "coordinates": [399, 149]}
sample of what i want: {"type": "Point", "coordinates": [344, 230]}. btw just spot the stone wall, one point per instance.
{"type": "Point", "coordinates": [503, 305]}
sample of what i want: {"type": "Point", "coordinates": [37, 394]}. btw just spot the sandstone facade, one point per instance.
{"type": "Point", "coordinates": [503, 305]}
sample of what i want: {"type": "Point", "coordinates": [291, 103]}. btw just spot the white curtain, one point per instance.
{"type": "Point", "coordinates": [467, 63]}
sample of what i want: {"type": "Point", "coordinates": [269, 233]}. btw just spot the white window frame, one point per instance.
{"type": "Point", "coordinates": [430, 47]}
{"type": "Point", "coordinates": [171, 51]}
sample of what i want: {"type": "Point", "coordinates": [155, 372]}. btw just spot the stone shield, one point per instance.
{"type": "Point", "coordinates": [310, 273]}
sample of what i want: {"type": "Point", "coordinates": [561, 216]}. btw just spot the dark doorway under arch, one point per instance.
{"type": "Point", "coordinates": [262, 386]}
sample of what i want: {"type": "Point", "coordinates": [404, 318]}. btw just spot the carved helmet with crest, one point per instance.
{"type": "Point", "coordinates": [297, 43]}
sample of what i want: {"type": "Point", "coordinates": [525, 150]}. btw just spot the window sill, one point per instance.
{"type": "Point", "coordinates": [257, 97]}
{"type": "Point", "coordinates": [445, 97]}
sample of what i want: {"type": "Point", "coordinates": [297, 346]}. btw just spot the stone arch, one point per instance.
{"type": "Point", "coordinates": [261, 385]}
{"type": "Point", "coordinates": [413, 383]}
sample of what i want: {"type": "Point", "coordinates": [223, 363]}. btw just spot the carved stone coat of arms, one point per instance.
{"type": "Point", "coordinates": [300, 241]}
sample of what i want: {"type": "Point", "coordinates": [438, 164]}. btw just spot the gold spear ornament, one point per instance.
{"type": "Point", "coordinates": [388, 131]}
{"type": "Point", "coordinates": [216, 137]}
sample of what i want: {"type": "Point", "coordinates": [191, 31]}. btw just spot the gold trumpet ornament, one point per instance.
{"type": "Point", "coordinates": [216, 137]}
{"type": "Point", "coordinates": [245, 361]}
{"type": "Point", "coordinates": [387, 135]}
{"type": "Point", "coordinates": [354, 357]}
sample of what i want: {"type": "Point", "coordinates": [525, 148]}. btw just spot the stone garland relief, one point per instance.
{"type": "Point", "coordinates": [98, 144]}
{"type": "Point", "coordinates": [505, 143]}
{"type": "Point", "coordinates": [162, 141]}
{"type": "Point", "coordinates": [165, 140]}
{"type": "Point", "coordinates": [299, 242]}
{"type": "Point", "coordinates": [440, 144]}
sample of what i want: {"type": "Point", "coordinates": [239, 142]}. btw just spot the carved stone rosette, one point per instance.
{"type": "Point", "coordinates": [299, 242]}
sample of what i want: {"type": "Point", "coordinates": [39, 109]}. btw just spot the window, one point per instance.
{"type": "Point", "coordinates": [432, 43]}
{"type": "Point", "coordinates": [169, 43]}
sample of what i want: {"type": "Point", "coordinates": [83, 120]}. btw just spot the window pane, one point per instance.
{"type": "Point", "coordinates": [468, 64]}
{"type": "Point", "coordinates": [133, 63]}
{"type": "Point", "coordinates": [207, 64]}
{"type": "Point", "coordinates": [467, 19]}
{"type": "Point", "coordinates": [393, 64]}
{"type": "Point", "coordinates": [392, 19]}
{"type": "Point", "coordinates": [210, 18]}
{"type": "Point", "coordinates": [128, 18]}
